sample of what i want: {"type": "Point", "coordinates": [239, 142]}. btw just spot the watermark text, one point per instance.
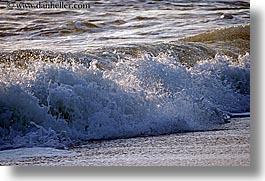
{"type": "Point", "coordinates": [47, 5]}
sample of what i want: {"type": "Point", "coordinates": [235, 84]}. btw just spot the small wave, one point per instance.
{"type": "Point", "coordinates": [225, 34]}
{"type": "Point", "coordinates": [232, 41]}
{"type": "Point", "coordinates": [141, 18]}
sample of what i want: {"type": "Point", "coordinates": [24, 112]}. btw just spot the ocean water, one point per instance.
{"type": "Point", "coordinates": [121, 69]}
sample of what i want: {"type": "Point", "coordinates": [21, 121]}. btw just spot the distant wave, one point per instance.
{"type": "Point", "coordinates": [225, 34]}
{"type": "Point", "coordinates": [56, 99]}
{"type": "Point", "coordinates": [232, 41]}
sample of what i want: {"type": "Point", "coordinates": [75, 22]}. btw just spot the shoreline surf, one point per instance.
{"type": "Point", "coordinates": [227, 147]}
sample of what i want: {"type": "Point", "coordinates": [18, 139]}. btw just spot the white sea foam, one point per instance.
{"type": "Point", "coordinates": [59, 103]}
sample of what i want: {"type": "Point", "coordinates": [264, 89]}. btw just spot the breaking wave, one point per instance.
{"type": "Point", "coordinates": [59, 99]}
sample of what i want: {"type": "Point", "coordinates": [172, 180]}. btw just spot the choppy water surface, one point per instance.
{"type": "Point", "coordinates": [109, 23]}
{"type": "Point", "coordinates": [121, 69]}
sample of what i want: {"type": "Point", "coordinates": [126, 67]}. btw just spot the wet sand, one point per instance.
{"type": "Point", "coordinates": [229, 146]}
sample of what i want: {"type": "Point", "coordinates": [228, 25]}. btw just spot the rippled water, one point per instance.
{"type": "Point", "coordinates": [110, 23]}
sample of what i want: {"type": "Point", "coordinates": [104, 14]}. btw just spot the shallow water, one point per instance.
{"type": "Point", "coordinates": [227, 147]}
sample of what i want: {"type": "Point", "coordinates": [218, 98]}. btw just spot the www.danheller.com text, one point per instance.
{"type": "Point", "coordinates": [47, 5]}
